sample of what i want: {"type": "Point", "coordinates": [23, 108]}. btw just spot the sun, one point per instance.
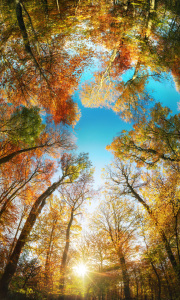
{"type": "Point", "coordinates": [81, 269]}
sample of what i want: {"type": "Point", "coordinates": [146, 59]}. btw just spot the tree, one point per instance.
{"type": "Point", "coordinates": [116, 219]}
{"type": "Point", "coordinates": [71, 169]}
{"type": "Point", "coordinates": [152, 141]}
{"type": "Point", "coordinates": [27, 270]}
{"type": "Point", "coordinates": [130, 182]}
{"type": "Point", "coordinates": [133, 39]}
{"type": "Point", "coordinates": [74, 196]}
{"type": "Point", "coordinates": [49, 234]}
{"type": "Point", "coordinates": [39, 70]}
{"type": "Point", "coordinates": [21, 177]}
{"type": "Point", "coordinates": [52, 140]}
{"type": "Point", "coordinates": [24, 126]}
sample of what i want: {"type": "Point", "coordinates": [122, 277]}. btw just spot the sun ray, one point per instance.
{"type": "Point", "coordinates": [81, 269]}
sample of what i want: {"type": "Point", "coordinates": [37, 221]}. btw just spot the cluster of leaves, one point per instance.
{"type": "Point", "coordinates": [24, 126]}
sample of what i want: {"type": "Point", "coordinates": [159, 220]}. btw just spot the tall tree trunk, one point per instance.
{"type": "Point", "coordinates": [10, 156]}
{"type": "Point", "coordinates": [137, 284]}
{"type": "Point", "coordinates": [45, 8]}
{"type": "Point", "coordinates": [167, 283]}
{"type": "Point", "coordinates": [159, 280]}
{"type": "Point", "coordinates": [22, 26]}
{"type": "Point", "coordinates": [25, 37]}
{"type": "Point", "coordinates": [125, 276]}
{"type": "Point", "coordinates": [31, 219]}
{"type": "Point", "coordinates": [149, 18]}
{"type": "Point", "coordinates": [65, 254]}
{"type": "Point", "coordinates": [15, 237]}
{"type": "Point", "coordinates": [152, 5]}
{"type": "Point", "coordinates": [48, 256]}
{"type": "Point", "coordinates": [175, 265]}
{"type": "Point", "coordinates": [154, 269]}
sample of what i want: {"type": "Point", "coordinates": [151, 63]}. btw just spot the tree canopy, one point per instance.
{"type": "Point", "coordinates": [61, 237]}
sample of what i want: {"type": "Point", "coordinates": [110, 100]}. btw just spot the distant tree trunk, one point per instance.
{"type": "Point", "coordinates": [150, 13]}
{"type": "Point", "coordinates": [15, 237]}
{"type": "Point", "coordinates": [22, 26]}
{"type": "Point", "coordinates": [125, 275]}
{"type": "Point", "coordinates": [137, 284]}
{"type": "Point", "coordinates": [45, 8]}
{"type": "Point", "coordinates": [48, 256]}
{"type": "Point", "coordinates": [57, 2]}
{"type": "Point", "coordinates": [155, 271]}
{"type": "Point", "coordinates": [159, 281]}
{"type": "Point", "coordinates": [152, 5]}
{"type": "Point", "coordinates": [24, 33]}
{"type": "Point", "coordinates": [167, 283]}
{"type": "Point", "coordinates": [14, 257]}
{"type": "Point", "coordinates": [64, 257]}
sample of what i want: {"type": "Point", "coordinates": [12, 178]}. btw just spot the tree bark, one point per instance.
{"type": "Point", "coordinates": [22, 26]}
{"type": "Point", "coordinates": [10, 156]}
{"type": "Point", "coordinates": [31, 219]}
{"type": "Point", "coordinates": [27, 45]}
{"type": "Point", "coordinates": [48, 255]}
{"type": "Point", "coordinates": [64, 257]}
{"type": "Point", "coordinates": [125, 276]}
{"type": "Point", "coordinates": [159, 280]}
{"type": "Point", "coordinates": [45, 8]}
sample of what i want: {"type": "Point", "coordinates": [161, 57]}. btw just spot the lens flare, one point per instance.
{"type": "Point", "coordinates": [81, 269]}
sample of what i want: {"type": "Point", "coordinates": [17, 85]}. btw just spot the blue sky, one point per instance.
{"type": "Point", "coordinates": [94, 132]}
{"type": "Point", "coordinates": [98, 126]}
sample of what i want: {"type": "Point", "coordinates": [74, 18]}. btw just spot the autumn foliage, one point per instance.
{"type": "Point", "coordinates": [129, 247]}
